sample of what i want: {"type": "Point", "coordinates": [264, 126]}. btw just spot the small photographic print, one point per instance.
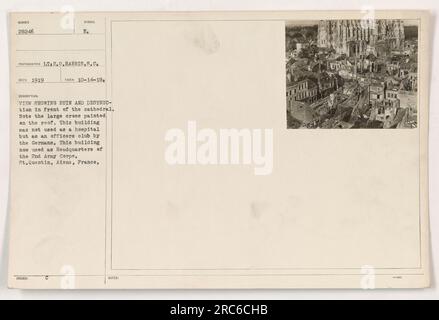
{"type": "Point", "coordinates": [346, 74]}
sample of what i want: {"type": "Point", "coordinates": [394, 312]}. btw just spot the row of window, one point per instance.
{"type": "Point", "coordinates": [298, 87]}
{"type": "Point", "coordinates": [392, 95]}
{"type": "Point", "coordinates": [302, 94]}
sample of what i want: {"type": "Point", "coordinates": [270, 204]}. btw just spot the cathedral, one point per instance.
{"type": "Point", "coordinates": [361, 37]}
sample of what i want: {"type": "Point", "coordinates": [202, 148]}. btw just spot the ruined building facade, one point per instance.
{"type": "Point", "coordinates": [361, 37]}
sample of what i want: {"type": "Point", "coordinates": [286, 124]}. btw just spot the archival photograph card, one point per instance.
{"type": "Point", "coordinates": [211, 150]}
